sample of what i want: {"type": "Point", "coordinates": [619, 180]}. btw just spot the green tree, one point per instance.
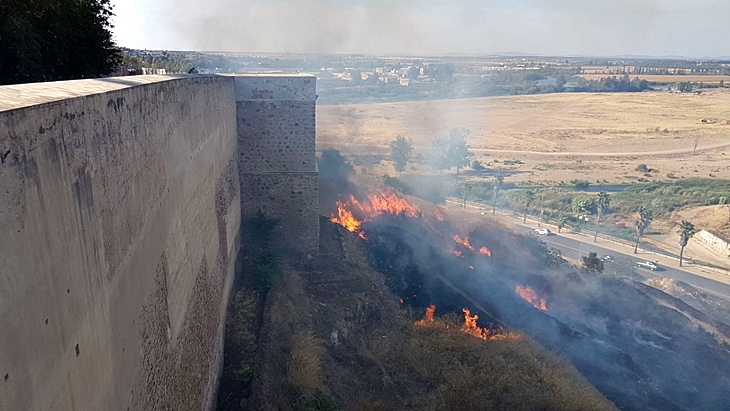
{"type": "Point", "coordinates": [562, 220]}
{"type": "Point", "coordinates": [584, 204]}
{"type": "Point", "coordinates": [439, 157]}
{"type": "Point", "coordinates": [457, 151]}
{"type": "Point", "coordinates": [334, 166]}
{"type": "Point", "coordinates": [498, 182]}
{"type": "Point", "coordinates": [400, 152]}
{"type": "Point", "coordinates": [465, 190]}
{"type": "Point", "coordinates": [602, 204]}
{"type": "Point", "coordinates": [56, 40]}
{"type": "Point", "coordinates": [527, 197]}
{"type": "Point", "coordinates": [642, 221]}
{"type": "Point", "coordinates": [686, 231]}
{"type": "Point", "coordinates": [592, 263]}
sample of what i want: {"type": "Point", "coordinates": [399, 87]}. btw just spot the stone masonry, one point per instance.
{"type": "Point", "coordinates": [276, 154]}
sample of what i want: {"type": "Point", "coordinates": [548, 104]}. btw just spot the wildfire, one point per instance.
{"type": "Point", "coordinates": [457, 253]}
{"type": "Point", "coordinates": [485, 251]}
{"type": "Point", "coordinates": [529, 295]}
{"type": "Point", "coordinates": [439, 215]}
{"type": "Point", "coordinates": [464, 242]}
{"type": "Point", "coordinates": [428, 318]}
{"type": "Point", "coordinates": [470, 326]}
{"type": "Point", "coordinates": [376, 204]}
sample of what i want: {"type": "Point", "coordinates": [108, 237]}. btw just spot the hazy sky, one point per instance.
{"type": "Point", "coordinates": [693, 28]}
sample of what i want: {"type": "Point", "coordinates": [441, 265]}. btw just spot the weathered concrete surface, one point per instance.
{"type": "Point", "coordinates": [119, 217]}
{"type": "Point", "coordinates": [276, 154]}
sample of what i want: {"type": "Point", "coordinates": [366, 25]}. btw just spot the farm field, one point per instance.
{"type": "Point", "coordinates": [552, 138]}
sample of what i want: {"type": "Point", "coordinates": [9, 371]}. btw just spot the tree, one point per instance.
{"type": "Point", "coordinates": [56, 40]}
{"type": "Point", "coordinates": [457, 151]}
{"type": "Point", "coordinates": [527, 197]}
{"type": "Point", "coordinates": [561, 222]}
{"type": "Point", "coordinates": [642, 221]}
{"type": "Point", "coordinates": [400, 152]}
{"type": "Point", "coordinates": [592, 263]}
{"type": "Point", "coordinates": [602, 204]}
{"type": "Point", "coordinates": [439, 158]}
{"type": "Point", "coordinates": [465, 189]}
{"type": "Point", "coordinates": [584, 204]}
{"type": "Point", "coordinates": [334, 166]}
{"type": "Point", "coordinates": [498, 181]}
{"type": "Point", "coordinates": [686, 231]}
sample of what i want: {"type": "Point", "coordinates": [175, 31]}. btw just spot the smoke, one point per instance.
{"type": "Point", "coordinates": [599, 27]}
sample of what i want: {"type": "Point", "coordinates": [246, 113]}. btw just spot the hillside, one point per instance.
{"type": "Point", "coordinates": [333, 336]}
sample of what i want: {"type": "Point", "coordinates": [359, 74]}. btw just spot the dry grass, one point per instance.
{"type": "Point", "coordinates": [471, 374]}
{"type": "Point", "coordinates": [595, 137]}
{"type": "Point", "coordinates": [662, 78]}
{"type": "Point", "coordinates": [305, 367]}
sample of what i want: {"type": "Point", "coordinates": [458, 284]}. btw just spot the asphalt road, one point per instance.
{"type": "Point", "coordinates": [570, 248]}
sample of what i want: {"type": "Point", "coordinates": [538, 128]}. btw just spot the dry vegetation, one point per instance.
{"type": "Point", "coordinates": [343, 342]}
{"type": "Point", "coordinates": [557, 137]}
{"type": "Point", "coordinates": [664, 78]}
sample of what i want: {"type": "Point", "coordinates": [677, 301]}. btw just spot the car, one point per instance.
{"type": "Point", "coordinates": [647, 264]}
{"type": "Point", "coordinates": [607, 258]}
{"type": "Point", "coordinates": [542, 231]}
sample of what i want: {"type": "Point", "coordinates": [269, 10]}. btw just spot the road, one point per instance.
{"type": "Point", "coordinates": [570, 248]}
{"type": "Point", "coordinates": [546, 153]}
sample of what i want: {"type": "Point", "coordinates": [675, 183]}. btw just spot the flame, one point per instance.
{"type": "Point", "coordinates": [428, 318]}
{"type": "Point", "coordinates": [470, 327]}
{"type": "Point", "coordinates": [457, 253]}
{"type": "Point", "coordinates": [471, 267]}
{"type": "Point", "coordinates": [464, 242]}
{"type": "Point", "coordinates": [401, 301]}
{"type": "Point", "coordinates": [529, 295]}
{"type": "Point", "coordinates": [439, 215]}
{"type": "Point", "coordinates": [345, 218]}
{"type": "Point", "coordinates": [376, 204]}
{"type": "Point", "coordinates": [484, 250]}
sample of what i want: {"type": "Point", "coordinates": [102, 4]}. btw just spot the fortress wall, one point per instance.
{"type": "Point", "coordinates": [119, 214]}
{"type": "Point", "coordinates": [276, 154]}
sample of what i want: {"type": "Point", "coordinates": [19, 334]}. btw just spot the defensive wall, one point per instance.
{"type": "Point", "coordinates": [121, 201]}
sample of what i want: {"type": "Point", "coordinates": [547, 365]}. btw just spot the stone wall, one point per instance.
{"type": "Point", "coordinates": [119, 217]}
{"type": "Point", "coordinates": [276, 114]}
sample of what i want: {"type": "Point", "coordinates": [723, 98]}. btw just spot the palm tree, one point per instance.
{"type": "Point", "coordinates": [604, 201]}
{"type": "Point", "coordinates": [527, 197]}
{"type": "Point", "coordinates": [643, 220]}
{"type": "Point", "coordinates": [561, 222]}
{"type": "Point", "coordinates": [498, 180]}
{"type": "Point", "coordinates": [686, 231]}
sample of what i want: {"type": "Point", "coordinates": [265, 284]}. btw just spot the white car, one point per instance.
{"type": "Point", "coordinates": [647, 264]}
{"type": "Point", "coordinates": [607, 258]}
{"type": "Point", "coordinates": [542, 231]}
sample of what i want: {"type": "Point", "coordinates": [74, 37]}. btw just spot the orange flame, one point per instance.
{"type": "Point", "coordinates": [485, 251]}
{"type": "Point", "coordinates": [470, 327]}
{"type": "Point", "coordinates": [439, 215]}
{"type": "Point", "coordinates": [529, 295]}
{"type": "Point", "coordinates": [428, 318]}
{"type": "Point", "coordinates": [376, 204]}
{"type": "Point", "coordinates": [464, 242]}
{"type": "Point", "coordinates": [471, 267]}
{"type": "Point", "coordinates": [457, 253]}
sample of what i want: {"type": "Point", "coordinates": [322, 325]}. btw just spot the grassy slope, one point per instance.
{"type": "Point", "coordinates": [335, 334]}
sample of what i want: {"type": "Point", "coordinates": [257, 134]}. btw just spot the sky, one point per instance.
{"type": "Point", "coordinates": [689, 28]}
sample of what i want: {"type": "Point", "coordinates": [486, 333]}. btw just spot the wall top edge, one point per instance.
{"type": "Point", "coordinates": [17, 96]}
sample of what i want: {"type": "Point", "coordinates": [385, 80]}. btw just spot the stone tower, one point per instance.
{"type": "Point", "coordinates": [276, 153]}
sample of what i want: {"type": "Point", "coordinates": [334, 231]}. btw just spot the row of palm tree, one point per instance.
{"type": "Point", "coordinates": [642, 219]}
